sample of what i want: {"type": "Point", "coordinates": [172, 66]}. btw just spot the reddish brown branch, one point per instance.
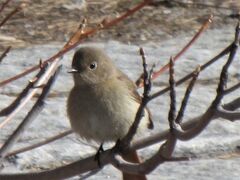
{"type": "Point", "coordinates": [179, 54]}
{"type": "Point", "coordinates": [78, 37]}
{"type": "Point", "coordinates": [80, 34]}
{"type": "Point", "coordinates": [16, 10]}
{"type": "Point", "coordinates": [4, 4]}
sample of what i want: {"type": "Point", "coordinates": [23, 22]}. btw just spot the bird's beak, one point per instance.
{"type": "Point", "coordinates": [73, 71]}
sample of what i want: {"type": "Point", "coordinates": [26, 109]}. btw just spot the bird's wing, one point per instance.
{"type": "Point", "coordinates": [135, 95]}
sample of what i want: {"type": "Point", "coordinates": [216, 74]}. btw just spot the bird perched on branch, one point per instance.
{"type": "Point", "coordinates": [103, 103]}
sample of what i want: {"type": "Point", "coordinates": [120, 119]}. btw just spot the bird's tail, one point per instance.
{"type": "Point", "coordinates": [132, 156]}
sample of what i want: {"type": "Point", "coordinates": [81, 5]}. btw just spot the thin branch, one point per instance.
{"type": "Point", "coordinates": [64, 172]}
{"type": "Point", "coordinates": [41, 143]}
{"type": "Point", "coordinates": [233, 105]}
{"type": "Point", "coordinates": [32, 114]}
{"type": "Point", "coordinates": [161, 136]}
{"type": "Point", "coordinates": [202, 4]}
{"type": "Point", "coordinates": [232, 89]}
{"type": "Point", "coordinates": [4, 54]}
{"type": "Point", "coordinates": [74, 38]}
{"type": "Point", "coordinates": [166, 150]}
{"type": "Point", "coordinates": [89, 164]}
{"type": "Point", "coordinates": [143, 168]}
{"type": "Point", "coordinates": [186, 97]}
{"type": "Point", "coordinates": [224, 73]}
{"type": "Point", "coordinates": [4, 4]}
{"type": "Point", "coordinates": [140, 113]}
{"type": "Point", "coordinates": [172, 110]}
{"type": "Point", "coordinates": [162, 155]}
{"type": "Point", "coordinates": [208, 115]}
{"type": "Point", "coordinates": [41, 81]}
{"type": "Point", "coordinates": [229, 115]}
{"type": "Point", "coordinates": [190, 75]}
{"type": "Point", "coordinates": [16, 10]}
{"type": "Point", "coordinates": [179, 54]}
{"type": "Point", "coordinates": [106, 23]}
{"type": "Point", "coordinates": [6, 111]}
{"type": "Point", "coordinates": [75, 44]}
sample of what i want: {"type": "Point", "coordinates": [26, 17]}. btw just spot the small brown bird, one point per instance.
{"type": "Point", "coordinates": [103, 102]}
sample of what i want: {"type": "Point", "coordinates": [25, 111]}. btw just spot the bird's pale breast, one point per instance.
{"type": "Point", "coordinates": [102, 114]}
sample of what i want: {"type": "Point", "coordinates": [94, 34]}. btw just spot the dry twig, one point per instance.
{"type": "Point", "coordinates": [4, 54]}
{"type": "Point", "coordinates": [76, 40]}
{"type": "Point", "coordinates": [4, 4]}
{"type": "Point", "coordinates": [32, 114]}
{"type": "Point", "coordinates": [16, 10]}
{"type": "Point", "coordinates": [180, 53]}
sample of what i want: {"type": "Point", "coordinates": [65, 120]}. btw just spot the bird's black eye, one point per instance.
{"type": "Point", "coordinates": [93, 65]}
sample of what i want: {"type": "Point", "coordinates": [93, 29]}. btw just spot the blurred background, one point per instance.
{"type": "Point", "coordinates": [44, 21]}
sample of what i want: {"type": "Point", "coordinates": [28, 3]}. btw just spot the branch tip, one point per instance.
{"type": "Point", "coordinates": [141, 51]}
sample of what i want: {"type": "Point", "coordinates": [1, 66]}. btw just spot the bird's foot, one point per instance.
{"type": "Point", "coordinates": [119, 147]}
{"type": "Point", "coordinates": [97, 156]}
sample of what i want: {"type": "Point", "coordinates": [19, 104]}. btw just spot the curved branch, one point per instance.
{"type": "Point", "coordinates": [229, 115]}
